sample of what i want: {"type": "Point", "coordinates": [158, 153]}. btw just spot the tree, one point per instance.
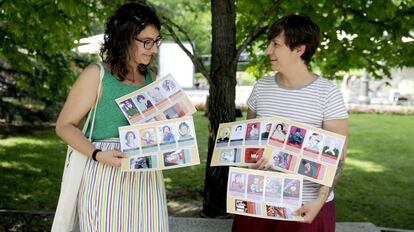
{"type": "Point", "coordinates": [36, 54]}
{"type": "Point", "coordinates": [354, 36]}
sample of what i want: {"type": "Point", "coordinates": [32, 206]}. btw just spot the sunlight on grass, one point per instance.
{"type": "Point", "coordinates": [19, 166]}
{"type": "Point", "coordinates": [366, 166]}
{"type": "Point", "coordinates": [16, 141]}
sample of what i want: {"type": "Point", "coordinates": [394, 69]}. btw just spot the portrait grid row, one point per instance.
{"type": "Point", "coordinates": [279, 134]}
{"type": "Point", "coordinates": [265, 188]}
{"type": "Point", "coordinates": [279, 160]}
{"type": "Point", "coordinates": [155, 138]}
{"type": "Point", "coordinates": [246, 207]}
{"type": "Point", "coordinates": [173, 158]}
{"type": "Point", "coordinates": [159, 102]}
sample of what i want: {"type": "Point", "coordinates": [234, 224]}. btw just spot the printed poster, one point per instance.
{"type": "Point", "coordinates": [160, 100]}
{"type": "Point", "coordinates": [241, 143]}
{"type": "Point", "coordinates": [264, 194]}
{"type": "Point", "coordinates": [301, 149]}
{"type": "Point", "coordinates": [159, 145]}
{"type": "Point", "coordinates": [288, 146]}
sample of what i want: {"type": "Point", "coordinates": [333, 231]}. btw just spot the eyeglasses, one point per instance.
{"type": "Point", "coordinates": [149, 43]}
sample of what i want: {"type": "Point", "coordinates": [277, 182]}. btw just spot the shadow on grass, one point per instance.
{"type": "Point", "coordinates": [29, 177]}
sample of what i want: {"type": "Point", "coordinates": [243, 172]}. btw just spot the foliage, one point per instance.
{"type": "Point", "coordinates": [354, 34]}
{"type": "Point", "coordinates": [192, 16]}
{"type": "Point", "coordinates": [375, 186]}
{"type": "Point", "coordinates": [37, 59]}
{"type": "Point", "coordinates": [36, 51]}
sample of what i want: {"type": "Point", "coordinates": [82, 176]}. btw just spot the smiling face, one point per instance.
{"type": "Point", "coordinates": [139, 54]}
{"type": "Point", "coordinates": [281, 56]}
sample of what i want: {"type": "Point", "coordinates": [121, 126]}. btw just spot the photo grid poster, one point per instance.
{"type": "Point", "coordinates": [288, 146]}
{"type": "Point", "coordinates": [301, 149]}
{"type": "Point", "coordinates": [163, 99]}
{"type": "Point", "coordinates": [241, 143]}
{"type": "Point", "coordinates": [264, 194]}
{"type": "Point", "coordinates": [159, 145]}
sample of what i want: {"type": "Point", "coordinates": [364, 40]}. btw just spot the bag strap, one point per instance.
{"type": "Point", "coordinates": [85, 126]}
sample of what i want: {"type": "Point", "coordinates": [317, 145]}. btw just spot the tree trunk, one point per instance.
{"type": "Point", "coordinates": [221, 103]}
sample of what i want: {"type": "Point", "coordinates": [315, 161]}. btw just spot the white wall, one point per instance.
{"type": "Point", "coordinates": [173, 60]}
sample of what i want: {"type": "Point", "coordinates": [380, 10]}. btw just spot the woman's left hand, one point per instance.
{"type": "Point", "coordinates": [310, 210]}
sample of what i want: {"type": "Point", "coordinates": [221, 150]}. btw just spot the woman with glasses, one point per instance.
{"type": "Point", "coordinates": [108, 199]}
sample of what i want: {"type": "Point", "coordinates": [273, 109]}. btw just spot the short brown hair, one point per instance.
{"type": "Point", "coordinates": [298, 30]}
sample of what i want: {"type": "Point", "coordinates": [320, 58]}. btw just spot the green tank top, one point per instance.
{"type": "Point", "coordinates": [108, 115]}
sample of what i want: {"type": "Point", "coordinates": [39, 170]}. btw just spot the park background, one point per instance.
{"type": "Point", "coordinates": [367, 54]}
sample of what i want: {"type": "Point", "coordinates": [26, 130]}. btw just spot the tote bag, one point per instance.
{"type": "Point", "coordinates": [66, 218]}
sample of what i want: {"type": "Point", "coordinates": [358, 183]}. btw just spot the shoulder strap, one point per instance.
{"type": "Point", "coordinates": [94, 107]}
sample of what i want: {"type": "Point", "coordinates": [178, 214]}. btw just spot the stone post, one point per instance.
{"type": "Point", "coordinates": [363, 97]}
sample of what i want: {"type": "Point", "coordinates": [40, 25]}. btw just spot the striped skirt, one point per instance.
{"type": "Point", "coordinates": [111, 200]}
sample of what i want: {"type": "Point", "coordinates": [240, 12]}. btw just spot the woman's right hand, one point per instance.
{"type": "Point", "coordinates": [111, 157]}
{"type": "Point", "coordinates": [261, 164]}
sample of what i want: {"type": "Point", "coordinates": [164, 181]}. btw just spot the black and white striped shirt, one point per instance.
{"type": "Point", "coordinates": [312, 104]}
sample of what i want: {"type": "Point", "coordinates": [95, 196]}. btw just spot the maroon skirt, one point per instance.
{"type": "Point", "coordinates": [324, 222]}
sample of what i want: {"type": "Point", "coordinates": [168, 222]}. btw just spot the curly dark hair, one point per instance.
{"type": "Point", "coordinates": [120, 31]}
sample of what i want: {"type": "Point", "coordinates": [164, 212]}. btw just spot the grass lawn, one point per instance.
{"type": "Point", "coordinates": [378, 182]}
{"type": "Point", "coordinates": [376, 185]}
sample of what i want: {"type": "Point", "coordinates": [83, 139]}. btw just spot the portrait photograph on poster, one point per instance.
{"type": "Point", "coordinates": [230, 156]}
{"type": "Point", "coordinates": [305, 150]}
{"type": "Point", "coordinates": [167, 136]}
{"type": "Point", "coordinates": [265, 132]}
{"type": "Point", "coordinates": [252, 133]}
{"type": "Point", "coordinates": [279, 134]}
{"type": "Point", "coordinates": [313, 144]}
{"type": "Point", "coordinates": [282, 160]}
{"type": "Point", "coordinates": [130, 141]}
{"type": "Point", "coordinates": [288, 146]}
{"type": "Point", "coordinates": [143, 163]}
{"type": "Point", "coordinates": [264, 194]}
{"type": "Point", "coordinates": [252, 155]}
{"type": "Point", "coordinates": [237, 134]}
{"type": "Point", "coordinates": [162, 99]}
{"type": "Point", "coordinates": [273, 189]}
{"type": "Point", "coordinates": [129, 108]}
{"type": "Point", "coordinates": [178, 157]}
{"type": "Point", "coordinates": [295, 138]}
{"type": "Point", "coordinates": [241, 143]}
{"type": "Point", "coordinates": [223, 137]}
{"type": "Point", "coordinates": [237, 185]}
{"type": "Point", "coordinates": [162, 141]}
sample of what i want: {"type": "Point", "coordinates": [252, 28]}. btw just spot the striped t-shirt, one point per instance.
{"type": "Point", "coordinates": [312, 104]}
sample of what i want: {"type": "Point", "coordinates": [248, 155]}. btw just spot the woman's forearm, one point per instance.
{"type": "Point", "coordinates": [74, 137]}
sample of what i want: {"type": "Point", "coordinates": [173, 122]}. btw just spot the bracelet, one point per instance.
{"type": "Point", "coordinates": [94, 154]}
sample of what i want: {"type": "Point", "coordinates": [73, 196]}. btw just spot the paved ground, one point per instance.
{"type": "Point", "coordinates": [185, 224]}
